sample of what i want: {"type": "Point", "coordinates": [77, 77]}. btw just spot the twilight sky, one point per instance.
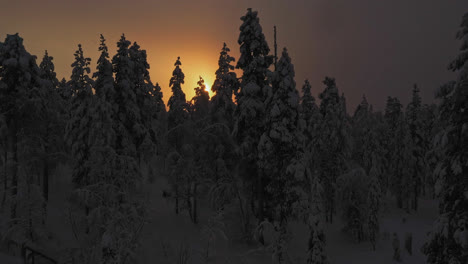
{"type": "Point", "coordinates": [372, 47]}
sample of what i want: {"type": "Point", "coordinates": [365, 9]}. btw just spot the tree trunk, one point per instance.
{"type": "Point", "coordinates": [177, 195]}
{"type": "Point", "coordinates": [14, 169]}
{"type": "Point", "coordinates": [188, 200]}
{"type": "Point", "coordinates": [5, 175]}
{"type": "Point", "coordinates": [260, 191]}
{"type": "Point", "coordinates": [45, 173]}
{"type": "Point", "coordinates": [195, 217]}
{"type": "Point", "coordinates": [416, 192]}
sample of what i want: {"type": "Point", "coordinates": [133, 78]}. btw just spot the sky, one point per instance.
{"type": "Point", "coordinates": [378, 48]}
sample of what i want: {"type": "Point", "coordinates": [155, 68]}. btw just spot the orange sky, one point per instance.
{"type": "Point", "coordinates": [377, 48]}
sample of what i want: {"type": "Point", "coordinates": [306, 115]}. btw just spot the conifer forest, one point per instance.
{"type": "Point", "coordinates": [257, 167]}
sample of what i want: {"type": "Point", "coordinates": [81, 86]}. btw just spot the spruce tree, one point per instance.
{"type": "Point", "coordinates": [254, 62]}
{"type": "Point", "coordinates": [414, 120]}
{"type": "Point", "coordinates": [144, 136]}
{"type": "Point", "coordinates": [374, 204]}
{"type": "Point", "coordinates": [77, 130]}
{"type": "Point", "coordinates": [449, 240]}
{"type": "Point", "coordinates": [178, 107]}
{"type": "Point", "coordinates": [316, 244]}
{"type": "Point", "coordinates": [224, 86]}
{"type": "Point", "coordinates": [333, 142]}
{"type": "Point", "coordinates": [399, 156]}
{"type": "Point", "coordinates": [52, 119]}
{"type": "Point", "coordinates": [201, 101]}
{"type": "Point", "coordinates": [178, 114]}
{"type": "Point", "coordinates": [310, 115]}
{"type": "Point", "coordinates": [20, 88]}
{"type": "Point", "coordinates": [127, 113]}
{"type": "Point", "coordinates": [280, 146]}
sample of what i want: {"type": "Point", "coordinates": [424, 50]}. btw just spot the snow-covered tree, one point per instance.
{"type": "Point", "coordinates": [333, 143]}
{"type": "Point", "coordinates": [178, 114]}
{"type": "Point", "coordinates": [374, 206]}
{"type": "Point", "coordinates": [178, 107]}
{"type": "Point", "coordinates": [352, 197]}
{"type": "Point", "coordinates": [201, 102]}
{"type": "Point", "coordinates": [224, 86]}
{"type": "Point", "coordinates": [449, 239]}
{"type": "Point", "coordinates": [414, 120]}
{"type": "Point", "coordinates": [280, 144]}
{"type": "Point", "coordinates": [403, 166]}
{"type": "Point", "coordinates": [254, 62]}
{"type": "Point", "coordinates": [53, 121]}
{"type": "Point", "coordinates": [20, 86]}
{"type": "Point", "coordinates": [316, 245]}
{"type": "Point", "coordinates": [127, 114]}
{"type": "Point", "coordinates": [65, 92]}
{"type": "Point", "coordinates": [399, 158]}
{"type": "Point", "coordinates": [310, 115]}
{"type": "Point", "coordinates": [77, 130]}
{"type": "Point", "coordinates": [144, 135]}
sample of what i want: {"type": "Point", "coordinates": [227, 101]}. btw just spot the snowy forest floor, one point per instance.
{"type": "Point", "coordinates": [166, 237]}
{"type": "Point", "coordinates": [170, 238]}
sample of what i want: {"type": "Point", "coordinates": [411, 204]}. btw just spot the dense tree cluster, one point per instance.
{"type": "Point", "coordinates": [258, 150]}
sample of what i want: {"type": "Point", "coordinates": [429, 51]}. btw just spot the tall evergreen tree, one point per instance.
{"type": "Point", "coordinates": [333, 143]}
{"type": "Point", "coordinates": [374, 203]}
{"type": "Point", "coordinates": [145, 136]}
{"type": "Point", "coordinates": [178, 107]}
{"type": "Point", "coordinates": [449, 239]}
{"type": "Point", "coordinates": [77, 131]}
{"type": "Point", "coordinates": [279, 147]}
{"type": "Point", "coordinates": [310, 114]}
{"type": "Point", "coordinates": [201, 101]}
{"type": "Point", "coordinates": [224, 86]}
{"type": "Point", "coordinates": [178, 114]}
{"type": "Point", "coordinates": [254, 61]}
{"type": "Point", "coordinates": [399, 156]}
{"type": "Point", "coordinates": [414, 120]}
{"type": "Point", "coordinates": [52, 119]}
{"type": "Point", "coordinates": [316, 245]}
{"type": "Point", "coordinates": [20, 84]}
{"type": "Point", "coordinates": [127, 115]}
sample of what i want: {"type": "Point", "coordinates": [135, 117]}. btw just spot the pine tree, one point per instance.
{"type": "Point", "coordinates": [279, 146]}
{"type": "Point", "coordinates": [449, 239]}
{"type": "Point", "coordinates": [198, 148]}
{"type": "Point", "coordinates": [144, 136]}
{"type": "Point", "coordinates": [254, 61]}
{"type": "Point", "coordinates": [399, 156]}
{"type": "Point", "coordinates": [414, 120]}
{"type": "Point", "coordinates": [374, 204]}
{"type": "Point", "coordinates": [127, 114]}
{"type": "Point", "coordinates": [178, 107]}
{"type": "Point", "coordinates": [224, 86]}
{"type": "Point", "coordinates": [177, 116]}
{"type": "Point", "coordinates": [201, 102]}
{"type": "Point", "coordinates": [77, 131]}
{"type": "Point", "coordinates": [52, 119]}
{"type": "Point", "coordinates": [20, 84]}
{"type": "Point", "coordinates": [316, 245]}
{"type": "Point", "coordinates": [333, 142]}
{"type": "Point", "coordinates": [309, 113]}
{"type": "Point", "coordinates": [403, 165]}
{"type": "Point", "coordinates": [64, 91]}
{"type": "Point", "coordinates": [352, 194]}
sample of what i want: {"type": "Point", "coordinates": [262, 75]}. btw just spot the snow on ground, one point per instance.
{"type": "Point", "coordinates": [168, 238]}
{"type": "Point", "coordinates": [167, 234]}
{"type": "Point", "coordinates": [5, 259]}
